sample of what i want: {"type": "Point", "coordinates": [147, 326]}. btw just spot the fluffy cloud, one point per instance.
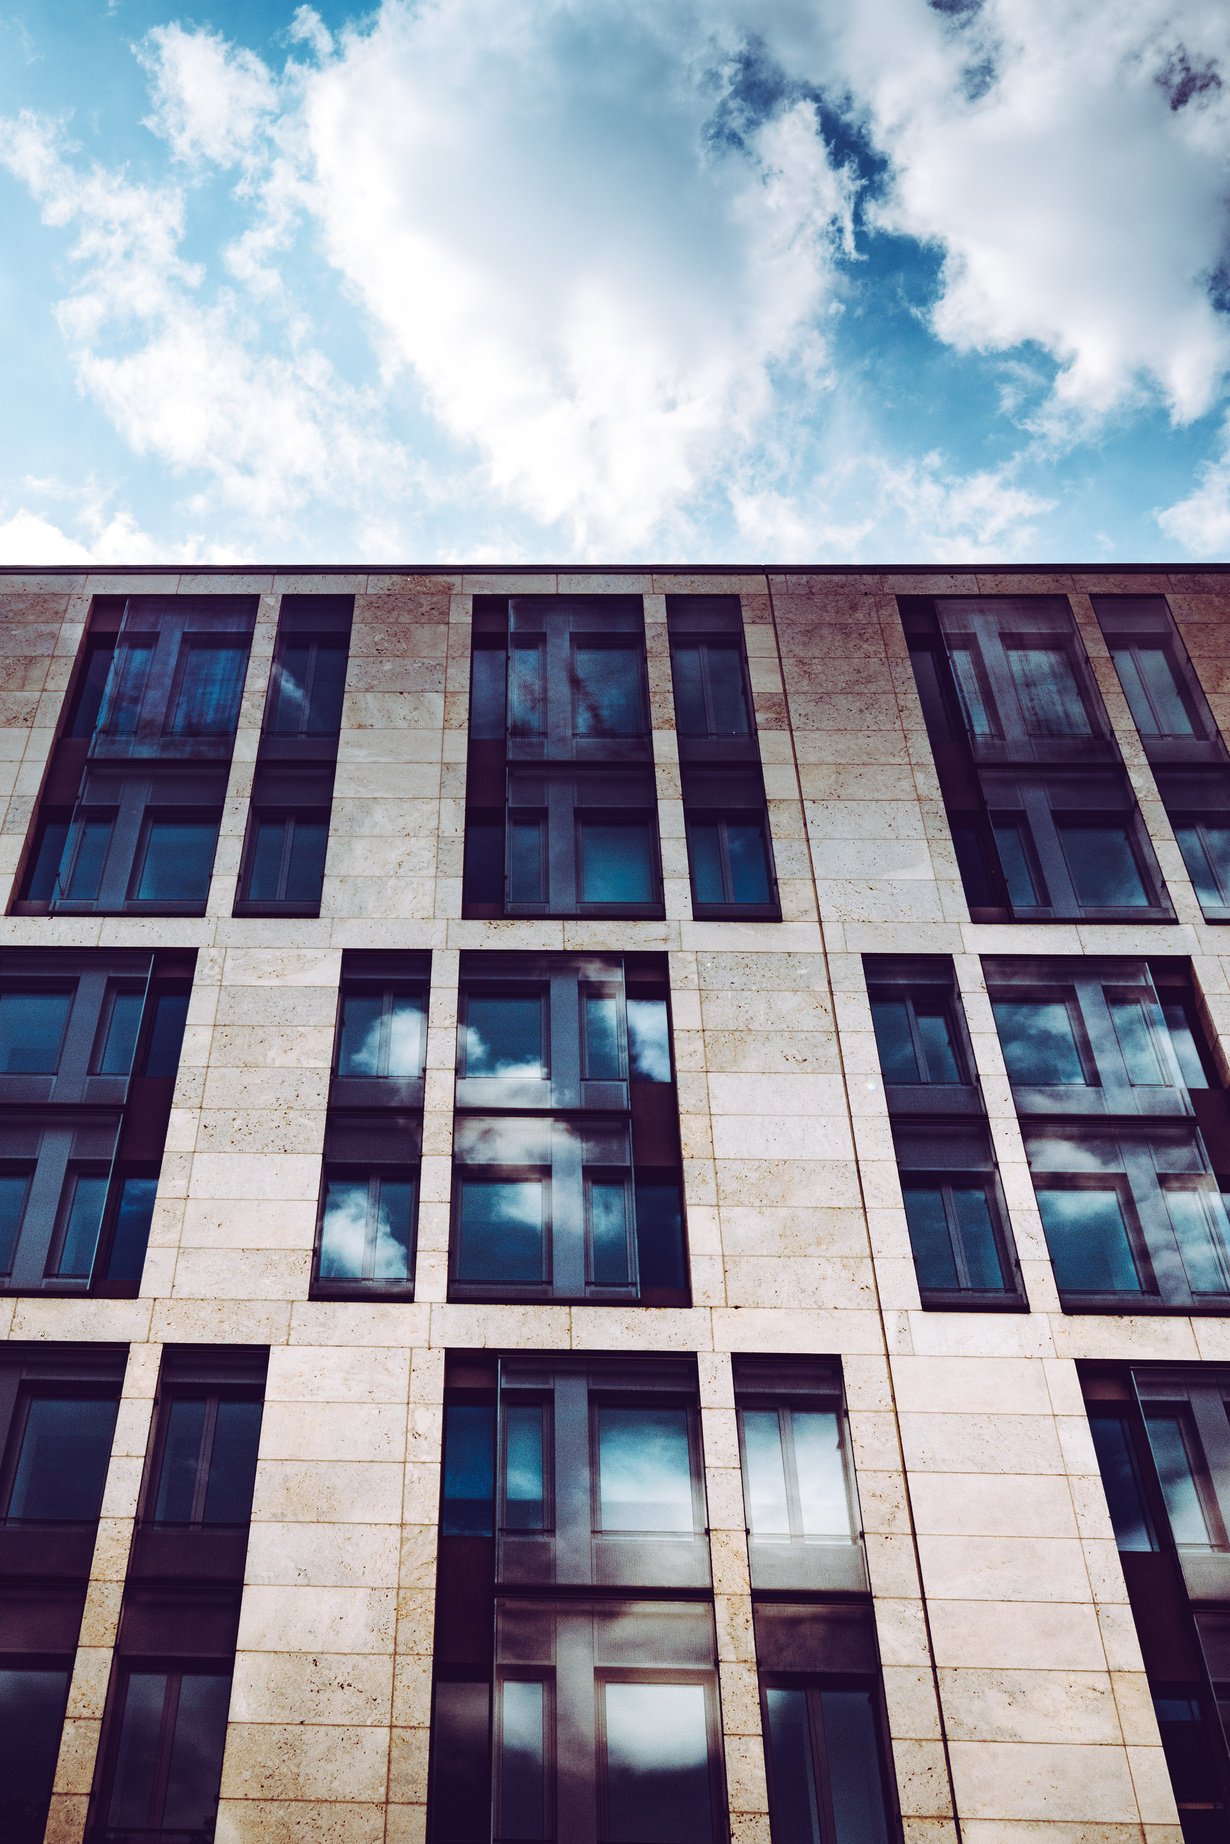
{"type": "Point", "coordinates": [212, 101]}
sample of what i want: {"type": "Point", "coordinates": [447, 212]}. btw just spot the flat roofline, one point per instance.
{"type": "Point", "coordinates": [614, 569]}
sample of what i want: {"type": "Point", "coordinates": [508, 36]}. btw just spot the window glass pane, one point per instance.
{"type": "Point", "coordinates": [823, 1500]}
{"type": "Point", "coordinates": [126, 684]}
{"type": "Point", "coordinates": [32, 1031]}
{"type": "Point", "coordinates": [130, 1231]}
{"type": "Point", "coordinates": [179, 856]}
{"type": "Point", "coordinates": [1198, 1218]}
{"type": "Point", "coordinates": [527, 864]}
{"type": "Point", "coordinates": [1038, 1039]}
{"type": "Point", "coordinates": [46, 861]}
{"type": "Point", "coordinates": [607, 691]}
{"type": "Point", "coordinates": [210, 688]}
{"type": "Point", "coordinates": [89, 854]}
{"type": "Point", "coordinates": [13, 1189]}
{"type": "Point", "coordinates": [359, 1046]}
{"type": "Point", "coordinates": [1172, 1455]}
{"type": "Point", "coordinates": [328, 688]}
{"type": "Point", "coordinates": [265, 864]}
{"type": "Point", "coordinates": [31, 1714]}
{"type": "Point", "coordinates": [1121, 1478]}
{"type": "Point", "coordinates": [1088, 1240]}
{"type": "Point", "coordinates": [793, 1806]}
{"type": "Point", "coordinates": [461, 1763]}
{"type": "Point", "coordinates": [974, 706]}
{"type": "Point", "coordinates": [939, 1049]}
{"type": "Point", "coordinates": [704, 842]}
{"type": "Point", "coordinates": [1045, 683]}
{"type": "Point", "coordinates": [660, 1252]}
{"type": "Point", "coordinates": [726, 691]}
{"type": "Point", "coordinates": [977, 1235]}
{"type": "Point", "coordinates": [1102, 865]}
{"type": "Point", "coordinates": [406, 1042]}
{"type": "Point", "coordinates": [502, 1230]}
{"type": "Point", "coordinates": [523, 1779]}
{"type": "Point", "coordinates": [1206, 853]}
{"type": "Point", "coordinates": [195, 1772]}
{"type": "Point", "coordinates": [690, 713]}
{"type": "Point", "coordinates": [1189, 1759]}
{"type": "Point", "coordinates": [749, 862]}
{"type": "Point", "coordinates": [894, 1040]}
{"type": "Point", "coordinates": [1170, 714]}
{"type": "Point", "coordinates": [768, 1508]}
{"type": "Point", "coordinates": [644, 1469]}
{"type": "Point", "coordinates": [1023, 891]}
{"type": "Point", "coordinates": [1133, 1024]}
{"type": "Point", "coordinates": [524, 1477]}
{"type": "Point", "coordinates": [504, 1035]}
{"type": "Point", "coordinates": [120, 1037]}
{"type": "Point", "coordinates": [184, 1423]}
{"type": "Point", "coordinates": [392, 1257]}
{"type": "Point", "coordinates": [969, 844]}
{"type": "Point", "coordinates": [1143, 714]}
{"type": "Point", "coordinates": [343, 1229]}
{"type": "Point", "coordinates": [81, 1219]}
{"type": "Point", "coordinates": [132, 1788]}
{"type": "Point", "coordinates": [526, 689]}
{"type": "Point", "coordinates": [487, 691]}
{"type": "Point", "coordinates": [469, 1470]}
{"type": "Point", "coordinates": [483, 864]}
{"type": "Point", "coordinates": [603, 1062]}
{"type": "Point", "coordinates": [92, 688]}
{"type": "Point", "coordinates": [929, 1236]}
{"type": "Point", "coordinates": [167, 1034]}
{"type": "Point", "coordinates": [856, 1787]}
{"type": "Point", "coordinates": [288, 688]}
{"type": "Point", "coordinates": [1183, 1042]}
{"type": "Point", "coordinates": [232, 1465]}
{"type": "Point", "coordinates": [607, 1208]}
{"type": "Point", "coordinates": [649, 1043]}
{"type": "Point", "coordinates": [616, 862]}
{"type": "Point", "coordinates": [305, 870]}
{"type": "Point", "coordinates": [657, 1764]}
{"type": "Point", "coordinates": [62, 1463]}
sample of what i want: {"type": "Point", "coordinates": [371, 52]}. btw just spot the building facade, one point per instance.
{"type": "Point", "coordinates": [613, 1207]}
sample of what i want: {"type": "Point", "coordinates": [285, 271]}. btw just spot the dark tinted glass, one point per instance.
{"type": "Point", "coordinates": [975, 706]}
{"type": "Point", "coordinates": [659, 1235]}
{"type": "Point", "coordinates": [1046, 687]}
{"type": "Point", "coordinates": [194, 1772]}
{"type": "Point", "coordinates": [306, 691]}
{"type": "Point", "coordinates": [649, 1040]}
{"type": "Point", "coordinates": [856, 1785]}
{"type": "Point", "coordinates": [305, 868]}
{"type": "Point", "coordinates": [1121, 1478]}
{"type": "Point", "coordinates": [1038, 1039]}
{"type": "Point", "coordinates": [32, 1031]}
{"type": "Point", "coordinates": [61, 1465]}
{"type": "Point", "coordinates": [939, 1048]}
{"type": "Point", "coordinates": [46, 860]}
{"type": "Point", "coordinates": [181, 1460]}
{"type": "Point", "coordinates": [136, 1754]}
{"type": "Point", "coordinates": [268, 851]}
{"type": "Point", "coordinates": [469, 1470]}
{"type": "Point", "coordinates": [1153, 692]}
{"type": "Point", "coordinates": [1206, 853]}
{"type": "Point", "coordinates": [1189, 1757]}
{"type": "Point", "coordinates": [527, 862]}
{"type": "Point", "coordinates": [31, 1714]}
{"type": "Point", "coordinates": [894, 1040]}
{"type": "Point", "coordinates": [166, 1034]}
{"type": "Point", "coordinates": [1102, 865]}
{"type": "Point", "coordinates": [130, 1231]}
{"type": "Point", "coordinates": [793, 1804]}
{"type": "Point", "coordinates": [487, 692]}
{"type": "Point", "coordinates": [504, 1035]}
{"type": "Point", "coordinates": [1185, 1043]}
{"type": "Point", "coordinates": [607, 691]}
{"type": "Point", "coordinates": [1198, 1218]}
{"type": "Point", "coordinates": [119, 1039]}
{"type": "Point", "coordinates": [125, 688]}
{"type": "Point", "coordinates": [85, 1197]}
{"type": "Point", "coordinates": [232, 1465]}
{"type": "Point", "coordinates": [90, 690]}
{"type": "Point", "coordinates": [88, 851]}
{"type": "Point", "coordinates": [616, 862]}
{"type": "Point", "coordinates": [976, 1233]}
{"type": "Point", "coordinates": [749, 862]}
{"type": "Point", "coordinates": [502, 1230]}
{"type": "Point", "coordinates": [1023, 892]}
{"type": "Point", "coordinates": [1134, 1024]}
{"type": "Point", "coordinates": [708, 884]}
{"type": "Point", "coordinates": [981, 892]}
{"type": "Point", "coordinates": [657, 1764]}
{"type": "Point", "coordinates": [527, 697]}
{"type": "Point", "coordinates": [187, 1801]}
{"type": "Point", "coordinates": [1088, 1240]}
{"type": "Point", "coordinates": [14, 1186]}
{"type": "Point", "coordinates": [460, 1774]}
{"type": "Point", "coordinates": [930, 1239]}
{"type": "Point", "coordinates": [523, 1777]}
{"type": "Point", "coordinates": [179, 856]}
{"type": "Point", "coordinates": [524, 1472]}
{"type": "Point", "coordinates": [687, 673]}
{"type": "Point", "coordinates": [726, 691]}
{"type": "Point", "coordinates": [1173, 1443]}
{"type": "Point", "coordinates": [607, 1208]}
{"type": "Point", "coordinates": [210, 688]}
{"type": "Point", "coordinates": [600, 1037]}
{"type": "Point", "coordinates": [484, 862]}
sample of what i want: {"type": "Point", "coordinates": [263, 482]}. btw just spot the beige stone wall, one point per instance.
{"type": "Point", "coordinates": [1011, 1668]}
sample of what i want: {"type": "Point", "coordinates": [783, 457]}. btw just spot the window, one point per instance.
{"type": "Point", "coordinates": [135, 790]}
{"type": "Point", "coordinates": [729, 857]}
{"type": "Point", "coordinates": [803, 1528]}
{"type": "Point", "coordinates": [32, 1703]}
{"type": "Point", "coordinates": [207, 1460]}
{"type": "Point", "coordinates": [286, 862]}
{"type": "Point", "coordinates": [565, 1145]}
{"type": "Point", "coordinates": [1136, 1212]}
{"type": "Point", "coordinates": [1043, 818]}
{"type": "Point", "coordinates": [711, 694]}
{"type": "Point", "coordinates": [89, 1047]}
{"type": "Point", "coordinates": [306, 685]}
{"type": "Point", "coordinates": [60, 1450]}
{"type": "Point", "coordinates": [561, 814]}
{"type": "Point", "coordinates": [165, 1770]}
{"type": "Point", "coordinates": [954, 1207]}
{"type": "Point", "coordinates": [826, 1772]}
{"type": "Point", "coordinates": [373, 1133]}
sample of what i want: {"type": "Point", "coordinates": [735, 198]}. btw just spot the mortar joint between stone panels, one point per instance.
{"type": "Point", "coordinates": [845, 1085]}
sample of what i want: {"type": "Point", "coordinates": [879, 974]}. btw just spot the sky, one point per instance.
{"type": "Point", "coordinates": [747, 281]}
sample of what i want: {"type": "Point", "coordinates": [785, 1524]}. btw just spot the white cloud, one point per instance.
{"type": "Point", "coordinates": [212, 100]}
{"type": "Point", "coordinates": [1201, 521]}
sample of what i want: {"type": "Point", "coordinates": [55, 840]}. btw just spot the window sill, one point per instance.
{"type": "Point", "coordinates": [954, 1301]}
{"type": "Point", "coordinates": [399, 1292]}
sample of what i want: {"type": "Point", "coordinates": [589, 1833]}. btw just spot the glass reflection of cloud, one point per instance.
{"type": "Point", "coordinates": [345, 1232]}
{"type": "Point", "coordinates": [404, 1045]}
{"type": "Point", "coordinates": [288, 696]}
{"type": "Point", "coordinates": [645, 1470]}
{"type": "Point", "coordinates": [648, 1036]}
{"type": "Point", "coordinates": [656, 1728]}
{"type": "Point", "coordinates": [481, 1058]}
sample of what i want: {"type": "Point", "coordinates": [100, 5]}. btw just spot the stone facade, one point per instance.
{"type": "Point", "coordinates": [1016, 1698]}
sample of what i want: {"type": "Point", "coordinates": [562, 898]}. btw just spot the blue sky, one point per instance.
{"type": "Point", "coordinates": [615, 280]}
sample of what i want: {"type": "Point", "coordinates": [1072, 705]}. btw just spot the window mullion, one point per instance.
{"type": "Point", "coordinates": [205, 1455]}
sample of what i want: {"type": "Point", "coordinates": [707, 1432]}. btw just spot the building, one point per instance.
{"type": "Point", "coordinates": [624, 1170]}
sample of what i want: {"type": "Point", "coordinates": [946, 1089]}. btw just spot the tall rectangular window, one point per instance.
{"type": "Point", "coordinates": [798, 1481]}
